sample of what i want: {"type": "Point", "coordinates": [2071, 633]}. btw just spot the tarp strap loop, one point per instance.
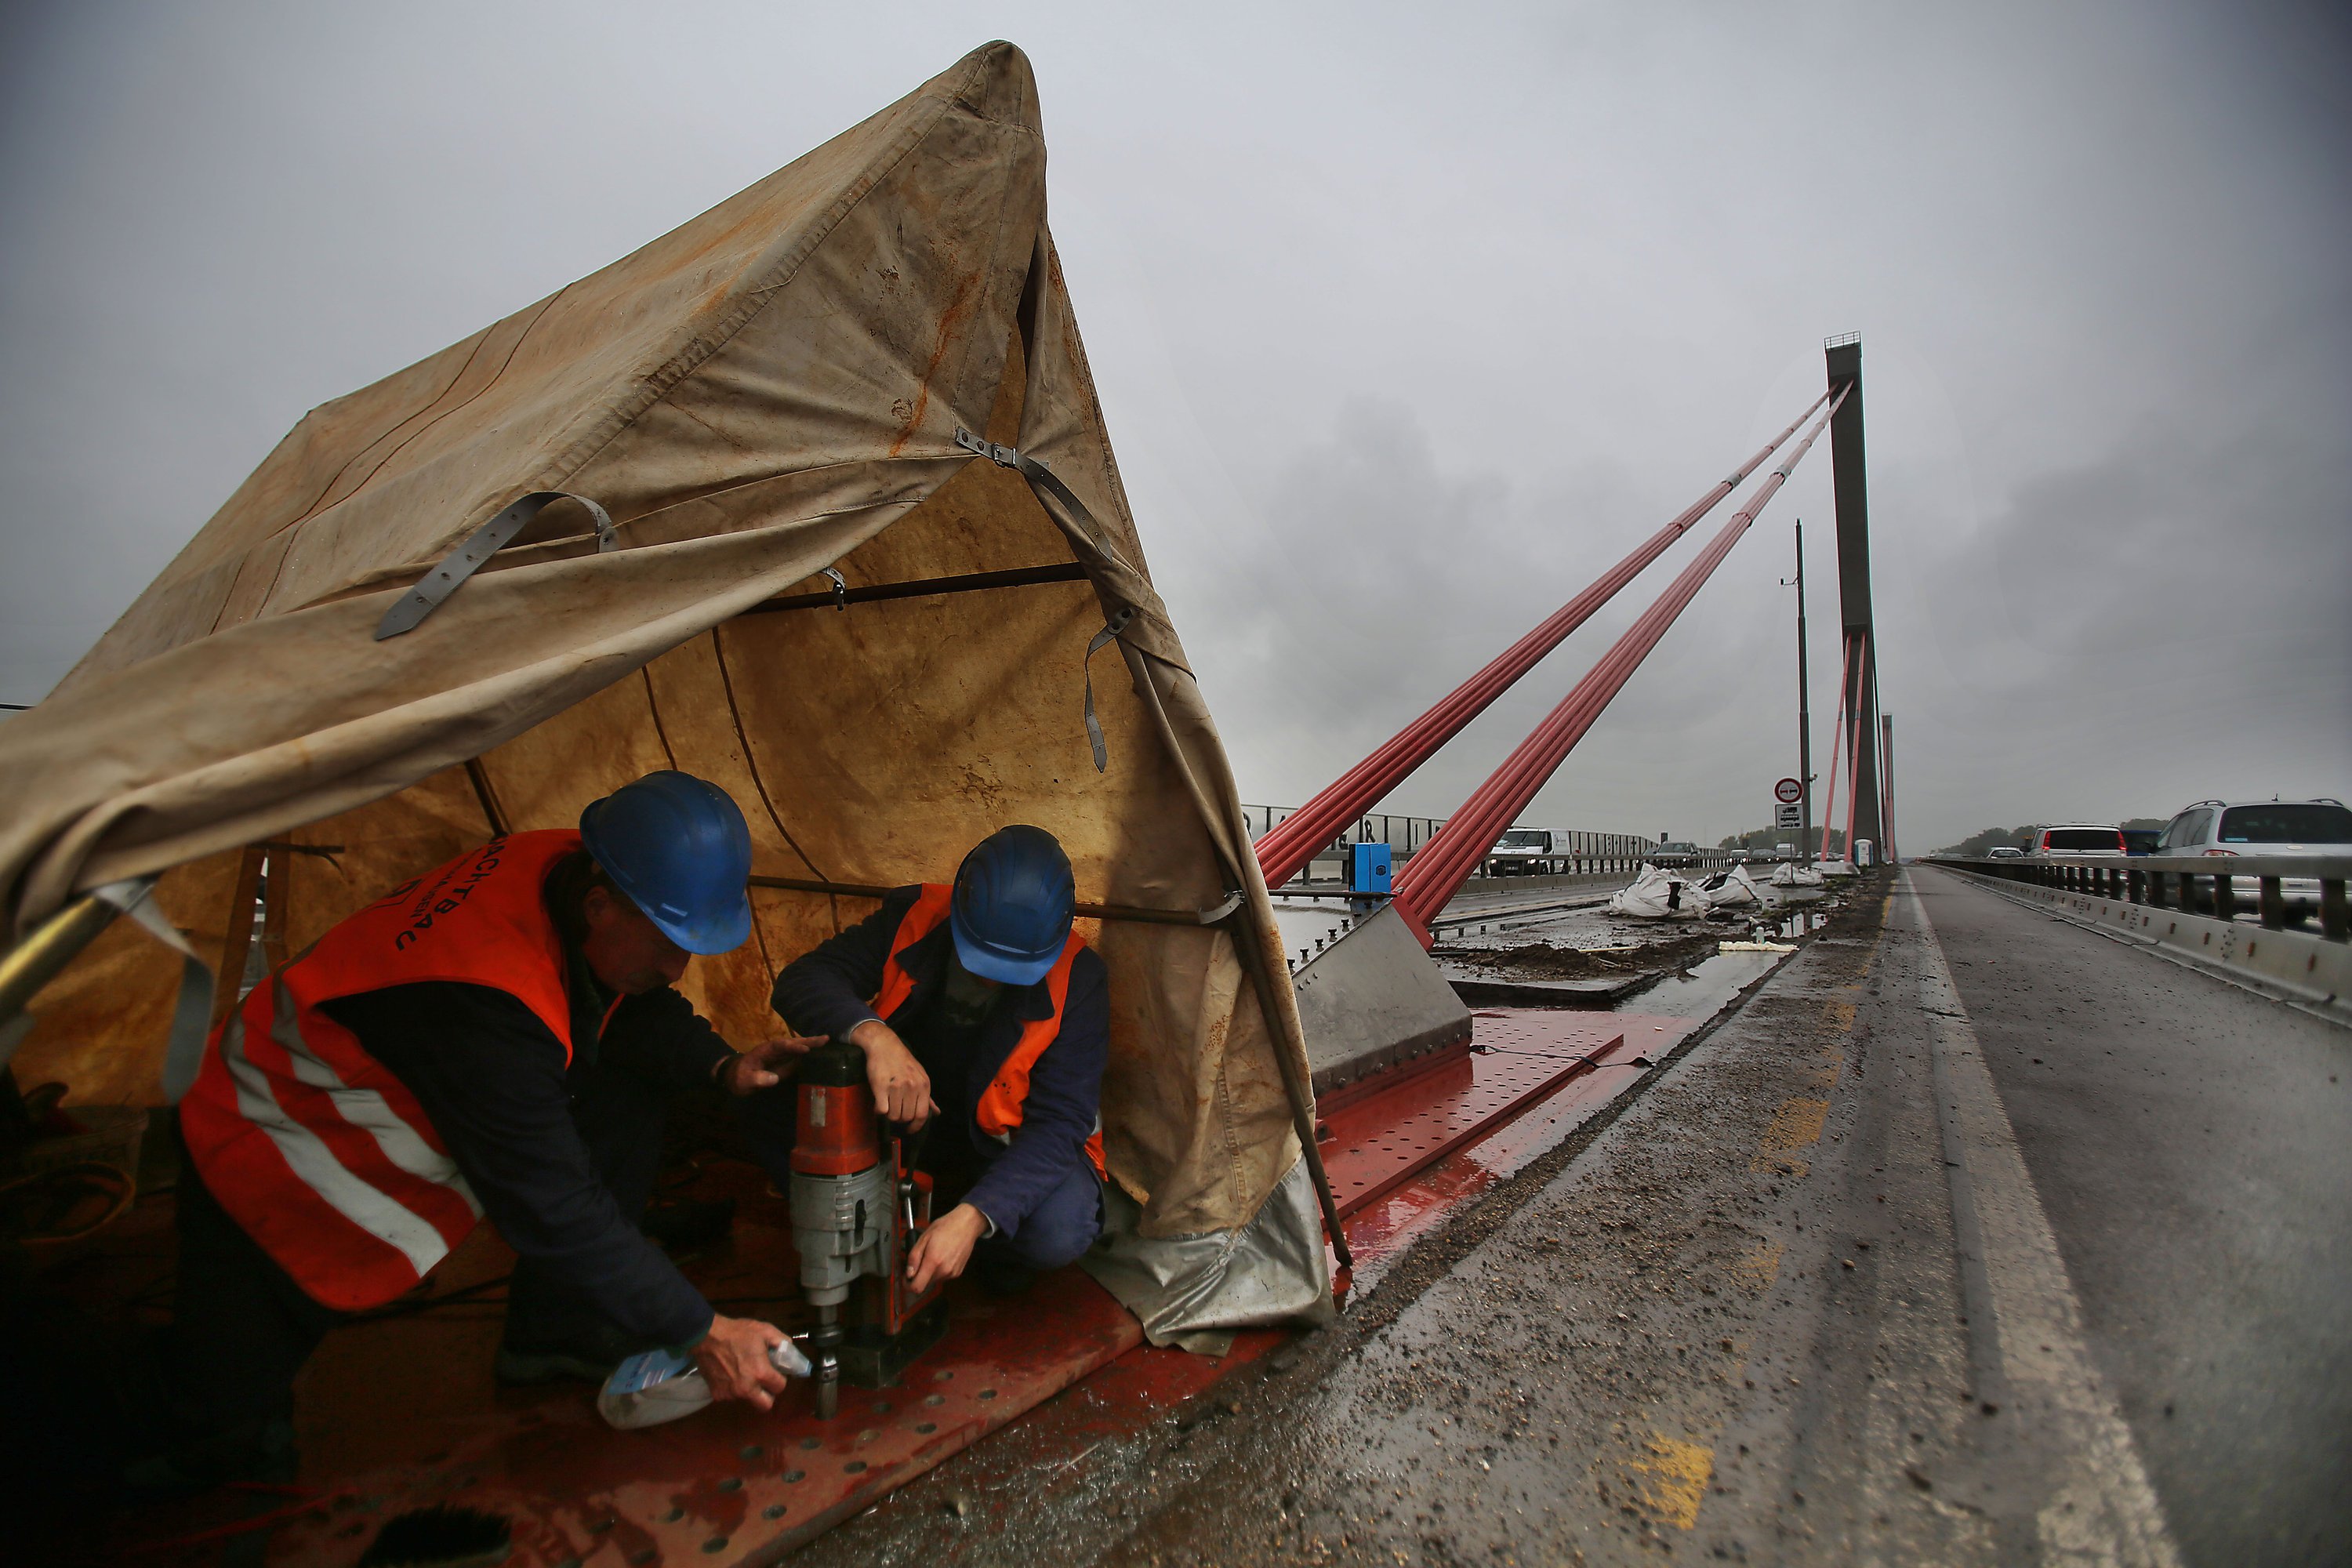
{"type": "Point", "coordinates": [192, 1014]}
{"type": "Point", "coordinates": [1043, 478]}
{"type": "Point", "coordinates": [1037, 473]}
{"type": "Point", "coordinates": [410, 610]}
{"type": "Point", "coordinates": [1102, 639]}
{"type": "Point", "coordinates": [840, 588]}
{"type": "Point", "coordinates": [1217, 912]}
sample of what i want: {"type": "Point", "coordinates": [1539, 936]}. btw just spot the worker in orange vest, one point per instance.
{"type": "Point", "coordinates": [496, 1038]}
{"type": "Point", "coordinates": [980, 1009]}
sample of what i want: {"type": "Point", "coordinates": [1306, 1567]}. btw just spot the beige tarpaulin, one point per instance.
{"type": "Point", "coordinates": [774, 387]}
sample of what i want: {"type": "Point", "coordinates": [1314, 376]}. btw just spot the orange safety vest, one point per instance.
{"type": "Point", "coordinates": [999, 1111]}
{"type": "Point", "coordinates": [311, 1144]}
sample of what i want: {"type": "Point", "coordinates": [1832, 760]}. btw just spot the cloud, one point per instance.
{"type": "Point", "coordinates": [1407, 322]}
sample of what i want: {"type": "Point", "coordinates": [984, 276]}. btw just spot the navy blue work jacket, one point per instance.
{"type": "Point", "coordinates": [829, 991]}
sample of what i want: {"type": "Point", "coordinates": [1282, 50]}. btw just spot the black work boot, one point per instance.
{"type": "Point", "coordinates": [575, 1351]}
{"type": "Point", "coordinates": [552, 1335]}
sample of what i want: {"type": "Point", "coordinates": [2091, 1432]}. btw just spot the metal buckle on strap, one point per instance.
{"type": "Point", "coordinates": [1003, 456]}
{"type": "Point", "coordinates": [410, 609]}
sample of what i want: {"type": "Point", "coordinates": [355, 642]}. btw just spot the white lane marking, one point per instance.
{"type": "Point", "coordinates": [2101, 1508]}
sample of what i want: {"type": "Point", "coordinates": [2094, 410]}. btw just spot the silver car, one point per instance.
{"type": "Point", "coordinates": [2222, 828]}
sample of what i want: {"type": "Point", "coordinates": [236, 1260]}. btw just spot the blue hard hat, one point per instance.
{"type": "Point", "coordinates": [1014, 900]}
{"type": "Point", "coordinates": [678, 847]}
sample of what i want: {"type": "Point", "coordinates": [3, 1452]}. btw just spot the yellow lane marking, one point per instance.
{"type": "Point", "coordinates": [1758, 1268]}
{"type": "Point", "coordinates": [1796, 1125]}
{"type": "Point", "coordinates": [1671, 1478]}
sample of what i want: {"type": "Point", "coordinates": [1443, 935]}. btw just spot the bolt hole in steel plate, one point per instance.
{"type": "Point", "coordinates": [723, 1473]}
{"type": "Point", "coordinates": [1517, 1061]}
{"type": "Point", "coordinates": [1065, 1330]}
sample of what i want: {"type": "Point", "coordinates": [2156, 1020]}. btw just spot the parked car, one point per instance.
{"type": "Point", "coordinates": [2078, 838]}
{"type": "Point", "coordinates": [2277, 828]}
{"type": "Point", "coordinates": [2004, 852]}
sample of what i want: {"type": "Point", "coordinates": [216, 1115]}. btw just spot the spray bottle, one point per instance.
{"type": "Point", "coordinates": [660, 1386]}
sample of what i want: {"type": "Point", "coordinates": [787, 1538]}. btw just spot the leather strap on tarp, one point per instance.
{"type": "Point", "coordinates": [410, 609]}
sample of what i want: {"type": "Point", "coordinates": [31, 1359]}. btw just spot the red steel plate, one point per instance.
{"type": "Point", "coordinates": [1518, 1056]}
{"type": "Point", "coordinates": [400, 1414]}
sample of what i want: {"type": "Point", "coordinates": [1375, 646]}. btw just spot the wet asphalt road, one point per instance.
{"type": "Point", "coordinates": [2193, 1146]}
{"type": "Point", "coordinates": [1756, 1317]}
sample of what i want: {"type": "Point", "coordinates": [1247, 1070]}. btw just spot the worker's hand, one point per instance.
{"type": "Point", "coordinates": [902, 1090]}
{"type": "Point", "coordinates": [763, 1065]}
{"type": "Point", "coordinates": [733, 1357]}
{"type": "Point", "coordinates": [944, 1249]}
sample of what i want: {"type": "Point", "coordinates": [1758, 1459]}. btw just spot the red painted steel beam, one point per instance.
{"type": "Point", "coordinates": [1433, 876]}
{"type": "Point", "coordinates": [1837, 745]}
{"type": "Point", "coordinates": [1290, 844]}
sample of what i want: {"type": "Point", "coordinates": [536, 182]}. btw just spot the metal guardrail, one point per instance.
{"type": "Point", "coordinates": [1578, 852]}
{"type": "Point", "coordinates": [2197, 884]}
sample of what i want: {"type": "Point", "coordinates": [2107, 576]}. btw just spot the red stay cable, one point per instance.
{"type": "Point", "coordinates": [1292, 842]}
{"type": "Point", "coordinates": [1434, 875]}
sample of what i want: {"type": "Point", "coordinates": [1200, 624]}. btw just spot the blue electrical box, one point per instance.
{"type": "Point", "coordinates": [1368, 869]}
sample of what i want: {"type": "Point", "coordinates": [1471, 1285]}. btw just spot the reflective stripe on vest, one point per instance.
{"type": "Point", "coordinates": [1000, 1107]}
{"type": "Point", "coordinates": [317, 1150]}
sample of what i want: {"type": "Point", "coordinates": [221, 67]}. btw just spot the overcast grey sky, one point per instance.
{"type": "Point", "coordinates": [1407, 321]}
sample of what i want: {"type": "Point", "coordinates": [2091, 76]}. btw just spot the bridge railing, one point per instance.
{"type": "Point", "coordinates": [1574, 852]}
{"type": "Point", "coordinates": [2282, 885]}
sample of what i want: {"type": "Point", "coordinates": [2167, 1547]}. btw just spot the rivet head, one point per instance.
{"type": "Point", "coordinates": [791, 1476]}
{"type": "Point", "coordinates": [854, 1467]}
{"type": "Point", "coordinates": [773, 1510]}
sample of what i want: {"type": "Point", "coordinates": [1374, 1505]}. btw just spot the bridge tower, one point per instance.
{"type": "Point", "coordinates": [1850, 478]}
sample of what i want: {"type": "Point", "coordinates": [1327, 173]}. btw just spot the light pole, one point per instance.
{"type": "Point", "coordinates": [1804, 710]}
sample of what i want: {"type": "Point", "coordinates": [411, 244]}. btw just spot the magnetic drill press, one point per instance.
{"type": "Point", "coordinates": [857, 1206]}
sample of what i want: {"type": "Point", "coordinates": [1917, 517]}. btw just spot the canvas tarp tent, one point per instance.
{"type": "Point", "coordinates": [774, 387]}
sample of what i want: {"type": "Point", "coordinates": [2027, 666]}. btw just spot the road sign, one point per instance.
{"type": "Point", "coordinates": [1787, 792]}
{"type": "Point", "coordinates": [1784, 816]}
